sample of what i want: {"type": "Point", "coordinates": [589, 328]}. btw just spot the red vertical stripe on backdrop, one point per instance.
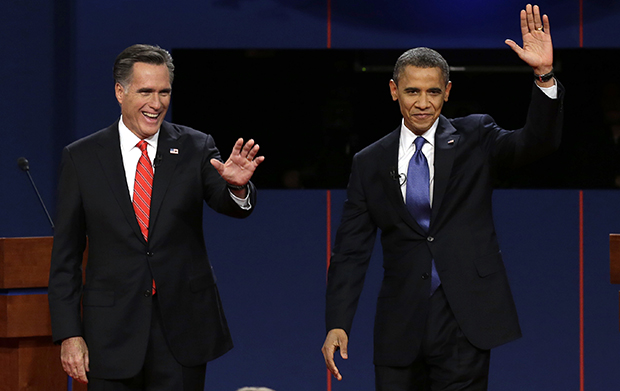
{"type": "Point", "coordinates": [580, 23]}
{"type": "Point", "coordinates": [329, 254]}
{"type": "Point", "coordinates": [581, 355]}
{"type": "Point", "coordinates": [329, 226]}
{"type": "Point", "coordinates": [329, 24]}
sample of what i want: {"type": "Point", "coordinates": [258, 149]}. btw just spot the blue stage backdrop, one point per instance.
{"type": "Point", "coordinates": [271, 272]}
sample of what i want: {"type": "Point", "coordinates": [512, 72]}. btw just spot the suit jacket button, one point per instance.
{"type": "Point", "coordinates": [150, 254]}
{"type": "Point", "coordinates": [430, 238]}
{"type": "Point", "coordinates": [147, 293]}
{"type": "Point", "coordinates": [425, 276]}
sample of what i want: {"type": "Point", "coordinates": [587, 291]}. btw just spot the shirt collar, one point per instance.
{"type": "Point", "coordinates": [407, 136]}
{"type": "Point", "coordinates": [129, 140]}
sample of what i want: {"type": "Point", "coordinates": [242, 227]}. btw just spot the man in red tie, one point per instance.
{"type": "Point", "coordinates": [148, 316]}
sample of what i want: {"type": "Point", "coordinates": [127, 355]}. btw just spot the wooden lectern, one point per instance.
{"type": "Point", "coordinates": [28, 358]}
{"type": "Point", "coordinates": [614, 259]}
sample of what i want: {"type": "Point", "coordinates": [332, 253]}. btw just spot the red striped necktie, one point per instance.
{"type": "Point", "coordinates": [142, 189]}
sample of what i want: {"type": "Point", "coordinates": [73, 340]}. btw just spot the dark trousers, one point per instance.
{"type": "Point", "coordinates": [446, 362]}
{"type": "Point", "coordinates": [161, 371]}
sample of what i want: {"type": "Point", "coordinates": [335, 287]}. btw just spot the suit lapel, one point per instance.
{"type": "Point", "coordinates": [388, 168]}
{"type": "Point", "coordinates": [165, 165]}
{"type": "Point", "coordinates": [111, 161]}
{"type": "Point", "coordinates": [445, 146]}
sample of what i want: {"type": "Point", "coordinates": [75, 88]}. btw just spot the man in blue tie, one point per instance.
{"type": "Point", "coordinates": [445, 299]}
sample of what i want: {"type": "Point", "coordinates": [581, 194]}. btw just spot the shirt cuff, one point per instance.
{"type": "Point", "coordinates": [551, 92]}
{"type": "Point", "coordinates": [244, 203]}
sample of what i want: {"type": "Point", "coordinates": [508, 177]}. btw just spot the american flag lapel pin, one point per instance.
{"type": "Point", "coordinates": [174, 151]}
{"type": "Point", "coordinates": [451, 141]}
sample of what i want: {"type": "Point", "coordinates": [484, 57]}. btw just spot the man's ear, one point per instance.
{"type": "Point", "coordinates": [448, 88]}
{"type": "Point", "coordinates": [393, 90]}
{"type": "Point", "coordinates": [119, 91]}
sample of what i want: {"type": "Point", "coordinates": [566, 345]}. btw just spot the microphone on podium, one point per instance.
{"type": "Point", "coordinates": [24, 165]}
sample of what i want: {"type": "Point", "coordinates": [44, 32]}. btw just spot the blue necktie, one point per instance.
{"type": "Point", "coordinates": [418, 197]}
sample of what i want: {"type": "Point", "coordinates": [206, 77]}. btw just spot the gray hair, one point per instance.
{"type": "Point", "coordinates": [123, 66]}
{"type": "Point", "coordinates": [421, 58]}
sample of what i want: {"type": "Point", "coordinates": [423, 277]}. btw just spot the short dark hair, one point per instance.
{"type": "Point", "coordinates": [421, 58]}
{"type": "Point", "coordinates": [123, 66]}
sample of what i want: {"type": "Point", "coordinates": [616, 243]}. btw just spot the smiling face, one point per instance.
{"type": "Point", "coordinates": [421, 93]}
{"type": "Point", "coordinates": [145, 100]}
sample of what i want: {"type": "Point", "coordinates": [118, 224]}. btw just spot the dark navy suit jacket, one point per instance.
{"type": "Point", "coordinates": [461, 237]}
{"type": "Point", "coordinates": [112, 310]}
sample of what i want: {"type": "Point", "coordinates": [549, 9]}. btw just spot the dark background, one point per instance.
{"type": "Point", "coordinates": [312, 110]}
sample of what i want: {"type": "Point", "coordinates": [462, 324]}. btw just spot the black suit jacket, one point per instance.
{"type": "Point", "coordinates": [461, 237]}
{"type": "Point", "coordinates": [94, 203]}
